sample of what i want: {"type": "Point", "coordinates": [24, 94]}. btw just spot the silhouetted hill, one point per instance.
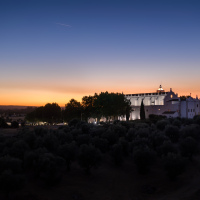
{"type": "Point", "coordinates": [12, 107]}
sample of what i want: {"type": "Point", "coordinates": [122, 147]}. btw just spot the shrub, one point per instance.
{"type": "Point", "coordinates": [83, 139]}
{"type": "Point", "coordinates": [131, 134]}
{"type": "Point", "coordinates": [40, 131]}
{"type": "Point", "coordinates": [172, 132]}
{"type": "Point", "coordinates": [89, 157]}
{"type": "Point", "coordinates": [50, 142]}
{"type": "Point", "coordinates": [3, 123]}
{"type": "Point", "coordinates": [191, 131]}
{"type": "Point", "coordinates": [14, 124]}
{"type": "Point", "coordinates": [111, 136]}
{"type": "Point", "coordinates": [49, 168]}
{"type": "Point", "coordinates": [10, 163]}
{"type": "Point", "coordinates": [189, 147]}
{"type": "Point", "coordinates": [10, 182]}
{"type": "Point", "coordinates": [174, 165]}
{"type": "Point", "coordinates": [117, 154]}
{"type": "Point", "coordinates": [167, 147]}
{"type": "Point", "coordinates": [143, 158]}
{"type": "Point", "coordinates": [177, 123]}
{"type": "Point", "coordinates": [19, 148]}
{"type": "Point", "coordinates": [69, 152]}
{"type": "Point", "coordinates": [162, 124]}
{"type": "Point", "coordinates": [100, 143]}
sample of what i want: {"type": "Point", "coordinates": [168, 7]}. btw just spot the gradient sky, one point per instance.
{"type": "Point", "coordinates": [54, 50]}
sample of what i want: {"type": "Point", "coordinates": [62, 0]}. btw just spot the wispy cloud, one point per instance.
{"type": "Point", "coordinates": [66, 25]}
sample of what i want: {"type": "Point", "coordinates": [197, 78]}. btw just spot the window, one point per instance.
{"type": "Point", "coordinates": [188, 110]}
{"type": "Point", "coordinates": [197, 105]}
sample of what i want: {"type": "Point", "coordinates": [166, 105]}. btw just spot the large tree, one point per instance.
{"type": "Point", "coordinates": [73, 110]}
{"type": "Point", "coordinates": [89, 108]}
{"type": "Point", "coordinates": [50, 113]}
{"type": "Point", "coordinates": [111, 104]}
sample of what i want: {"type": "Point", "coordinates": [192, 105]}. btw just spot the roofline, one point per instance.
{"type": "Point", "coordinates": [149, 93]}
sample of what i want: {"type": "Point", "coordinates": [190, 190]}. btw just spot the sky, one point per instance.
{"type": "Point", "coordinates": [56, 50]}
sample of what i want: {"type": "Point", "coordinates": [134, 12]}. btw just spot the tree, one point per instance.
{"type": "Point", "coordinates": [49, 168]}
{"type": "Point", "coordinates": [50, 113]}
{"type": "Point", "coordinates": [142, 111]}
{"type": "Point", "coordinates": [89, 157]}
{"type": "Point", "coordinates": [3, 123]}
{"type": "Point", "coordinates": [106, 105]}
{"type": "Point", "coordinates": [68, 152]}
{"type": "Point", "coordinates": [14, 124]}
{"type": "Point", "coordinates": [73, 110]}
{"type": "Point", "coordinates": [89, 108]}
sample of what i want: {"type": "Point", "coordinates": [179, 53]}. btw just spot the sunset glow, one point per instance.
{"type": "Point", "coordinates": [55, 51]}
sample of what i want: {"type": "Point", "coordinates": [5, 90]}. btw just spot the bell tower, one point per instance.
{"type": "Point", "coordinates": [160, 89]}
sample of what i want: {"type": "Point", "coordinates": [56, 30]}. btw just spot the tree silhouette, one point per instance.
{"type": "Point", "coordinates": [73, 110]}
{"type": "Point", "coordinates": [50, 113]}
{"type": "Point", "coordinates": [142, 111]}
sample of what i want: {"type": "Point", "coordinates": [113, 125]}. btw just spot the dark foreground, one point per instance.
{"type": "Point", "coordinates": [129, 161]}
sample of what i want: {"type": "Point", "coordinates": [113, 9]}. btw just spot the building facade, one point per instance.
{"type": "Point", "coordinates": [163, 103]}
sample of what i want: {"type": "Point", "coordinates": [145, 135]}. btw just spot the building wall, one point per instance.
{"type": "Point", "coordinates": [154, 103]}
{"type": "Point", "coordinates": [189, 108]}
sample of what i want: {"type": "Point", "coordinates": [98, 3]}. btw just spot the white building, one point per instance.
{"type": "Point", "coordinates": [163, 103]}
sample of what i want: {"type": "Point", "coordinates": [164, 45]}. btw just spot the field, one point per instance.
{"type": "Point", "coordinates": [111, 182]}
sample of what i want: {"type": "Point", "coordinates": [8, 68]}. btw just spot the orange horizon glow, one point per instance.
{"type": "Point", "coordinates": [40, 98]}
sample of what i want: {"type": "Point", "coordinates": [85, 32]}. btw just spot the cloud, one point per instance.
{"type": "Point", "coordinates": [66, 25]}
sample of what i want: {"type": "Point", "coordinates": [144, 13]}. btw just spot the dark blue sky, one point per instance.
{"type": "Point", "coordinates": [73, 48]}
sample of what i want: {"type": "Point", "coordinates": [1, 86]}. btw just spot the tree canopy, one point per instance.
{"type": "Point", "coordinates": [50, 113]}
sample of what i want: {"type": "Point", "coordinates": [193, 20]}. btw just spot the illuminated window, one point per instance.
{"type": "Point", "coordinates": [171, 96]}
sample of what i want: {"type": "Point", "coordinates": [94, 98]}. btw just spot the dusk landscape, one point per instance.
{"type": "Point", "coordinates": [99, 100]}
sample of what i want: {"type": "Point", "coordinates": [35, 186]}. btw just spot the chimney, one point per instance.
{"type": "Point", "coordinates": [170, 89]}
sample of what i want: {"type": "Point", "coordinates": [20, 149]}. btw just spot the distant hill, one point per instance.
{"type": "Point", "coordinates": [12, 107]}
